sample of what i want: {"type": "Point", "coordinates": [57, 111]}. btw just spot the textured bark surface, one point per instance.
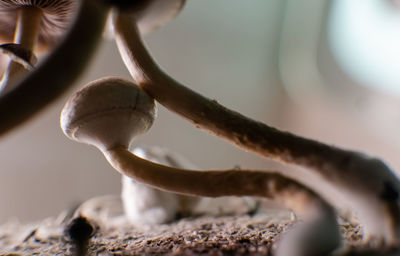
{"type": "Point", "coordinates": [201, 235]}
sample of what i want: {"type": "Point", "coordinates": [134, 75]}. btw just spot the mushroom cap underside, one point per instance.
{"type": "Point", "coordinates": [108, 112]}
{"type": "Point", "coordinates": [57, 16]}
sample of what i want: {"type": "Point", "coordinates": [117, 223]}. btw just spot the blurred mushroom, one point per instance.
{"type": "Point", "coordinates": [30, 24]}
{"type": "Point", "coordinates": [360, 178]}
{"type": "Point", "coordinates": [106, 210]}
{"type": "Point", "coordinates": [50, 78]}
{"type": "Point", "coordinates": [50, 18]}
{"type": "Point", "coordinates": [19, 54]}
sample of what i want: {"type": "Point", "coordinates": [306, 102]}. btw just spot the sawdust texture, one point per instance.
{"type": "Point", "coordinates": [201, 235]}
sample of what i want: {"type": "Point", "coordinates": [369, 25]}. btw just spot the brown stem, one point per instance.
{"type": "Point", "coordinates": [52, 78]}
{"type": "Point", "coordinates": [215, 183]}
{"type": "Point", "coordinates": [331, 162]}
{"type": "Point", "coordinates": [209, 115]}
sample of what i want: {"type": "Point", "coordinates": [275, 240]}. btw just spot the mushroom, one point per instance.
{"type": "Point", "coordinates": [50, 78]}
{"type": "Point", "coordinates": [113, 102]}
{"type": "Point", "coordinates": [108, 113]}
{"type": "Point", "coordinates": [28, 23]}
{"type": "Point", "coordinates": [371, 187]}
{"type": "Point", "coordinates": [144, 204]}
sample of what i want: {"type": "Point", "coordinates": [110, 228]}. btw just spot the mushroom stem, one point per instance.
{"type": "Point", "coordinates": [28, 24]}
{"type": "Point", "coordinates": [311, 207]}
{"type": "Point", "coordinates": [26, 35]}
{"type": "Point", "coordinates": [209, 115]}
{"type": "Point", "coordinates": [354, 174]}
{"type": "Point", "coordinates": [213, 183]}
{"type": "Point", "coordinates": [50, 79]}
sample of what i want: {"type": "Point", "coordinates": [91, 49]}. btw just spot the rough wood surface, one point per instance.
{"type": "Point", "coordinates": [200, 235]}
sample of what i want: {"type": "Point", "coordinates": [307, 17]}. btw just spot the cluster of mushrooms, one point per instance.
{"type": "Point", "coordinates": [110, 112]}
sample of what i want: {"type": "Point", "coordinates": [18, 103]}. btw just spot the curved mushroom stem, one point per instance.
{"type": "Point", "coordinates": [319, 215]}
{"type": "Point", "coordinates": [358, 176]}
{"type": "Point", "coordinates": [26, 35]}
{"type": "Point", "coordinates": [50, 79]}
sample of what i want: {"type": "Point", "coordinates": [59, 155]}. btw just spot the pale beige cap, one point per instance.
{"type": "Point", "coordinates": [108, 112]}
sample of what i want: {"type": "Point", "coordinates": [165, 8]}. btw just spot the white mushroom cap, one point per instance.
{"type": "Point", "coordinates": [57, 15]}
{"type": "Point", "coordinates": [108, 112]}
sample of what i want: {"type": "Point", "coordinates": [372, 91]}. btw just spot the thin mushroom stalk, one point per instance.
{"type": "Point", "coordinates": [110, 112]}
{"type": "Point", "coordinates": [144, 204]}
{"type": "Point", "coordinates": [370, 185]}
{"type": "Point", "coordinates": [26, 35]}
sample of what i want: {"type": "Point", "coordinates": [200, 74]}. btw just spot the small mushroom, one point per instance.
{"type": "Point", "coordinates": [32, 24]}
{"type": "Point", "coordinates": [360, 178]}
{"type": "Point", "coordinates": [50, 78]}
{"type": "Point", "coordinates": [144, 204]}
{"type": "Point", "coordinates": [110, 112]}
{"type": "Point", "coordinates": [116, 112]}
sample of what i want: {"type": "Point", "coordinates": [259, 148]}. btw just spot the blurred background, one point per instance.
{"type": "Point", "coordinates": [327, 70]}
